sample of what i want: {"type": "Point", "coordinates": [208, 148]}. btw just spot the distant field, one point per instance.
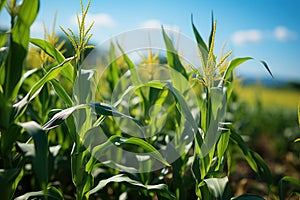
{"type": "Point", "coordinates": [286, 98]}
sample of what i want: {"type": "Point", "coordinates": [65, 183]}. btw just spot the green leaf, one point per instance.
{"type": "Point", "coordinates": [51, 193]}
{"type": "Point", "coordinates": [254, 160]}
{"type": "Point", "coordinates": [2, 3]}
{"type": "Point", "coordinates": [218, 187]}
{"type": "Point", "coordinates": [198, 37]}
{"type": "Point", "coordinates": [210, 41]}
{"type": "Point", "coordinates": [3, 37]}
{"type": "Point", "coordinates": [85, 86]}
{"type": "Point", "coordinates": [161, 189]}
{"type": "Point", "coordinates": [48, 48]}
{"type": "Point", "coordinates": [264, 171]}
{"type": "Point", "coordinates": [267, 68]}
{"type": "Point", "coordinates": [98, 108]}
{"type": "Point", "coordinates": [119, 141]}
{"type": "Point", "coordinates": [34, 91]}
{"type": "Point", "coordinates": [203, 49]}
{"type": "Point", "coordinates": [8, 138]}
{"type": "Point", "coordinates": [245, 149]}
{"type": "Point", "coordinates": [18, 47]}
{"type": "Point", "coordinates": [131, 67]}
{"type": "Point", "coordinates": [40, 160]}
{"type": "Point", "coordinates": [61, 116]}
{"type": "Point", "coordinates": [283, 186]}
{"type": "Point", "coordinates": [233, 64]}
{"type": "Point", "coordinates": [172, 55]}
{"type": "Point", "coordinates": [222, 146]}
{"type": "Point", "coordinates": [9, 179]}
{"type": "Point", "coordinates": [113, 75]}
{"type": "Point", "coordinates": [248, 197]}
{"type": "Point", "coordinates": [60, 91]}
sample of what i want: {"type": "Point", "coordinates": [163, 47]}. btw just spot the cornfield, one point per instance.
{"type": "Point", "coordinates": [105, 126]}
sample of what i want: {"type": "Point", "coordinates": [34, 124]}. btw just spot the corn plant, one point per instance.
{"type": "Point", "coordinates": [14, 49]}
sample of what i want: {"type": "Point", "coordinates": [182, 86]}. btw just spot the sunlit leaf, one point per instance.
{"type": "Point", "coordinates": [233, 64]}
{"type": "Point", "coordinates": [217, 186]}
{"type": "Point", "coordinates": [2, 3]}
{"type": "Point", "coordinates": [161, 189]}
{"type": "Point", "coordinates": [34, 91]}
{"type": "Point", "coordinates": [48, 48]}
{"type": "Point", "coordinates": [198, 37]}
{"type": "Point", "coordinates": [62, 93]}
{"type": "Point", "coordinates": [51, 193]}
{"type": "Point", "coordinates": [119, 141]}
{"type": "Point", "coordinates": [172, 55]}
{"type": "Point", "coordinates": [18, 47]}
{"type": "Point", "coordinates": [60, 117]}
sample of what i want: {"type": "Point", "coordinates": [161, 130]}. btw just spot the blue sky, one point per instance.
{"type": "Point", "coordinates": [263, 29]}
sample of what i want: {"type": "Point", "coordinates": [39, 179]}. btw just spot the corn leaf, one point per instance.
{"type": "Point", "coordinates": [284, 183]}
{"type": "Point", "coordinates": [40, 160]}
{"type": "Point", "coordinates": [267, 68]}
{"type": "Point", "coordinates": [9, 179]}
{"type": "Point", "coordinates": [222, 146]}
{"type": "Point", "coordinates": [48, 48]}
{"type": "Point", "coordinates": [218, 187]}
{"type": "Point", "coordinates": [119, 141]}
{"type": "Point", "coordinates": [34, 91]}
{"type": "Point", "coordinates": [113, 75]}
{"type": "Point", "coordinates": [198, 37]}
{"type": "Point", "coordinates": [172, 55]}
{"type": "Point", "coordinates": [131, 66]}
{"type": "Point", "coordinates": [202, 47]}
{"type": "Point", "coordinates": [60, 91]}
{"type": "Point", "coordinates": [2, 3]}
{"type": "Point", "coordinates": [51, 193]}
{"type": "Point", "coordinates": [8, 138]}
{"type": "Point", "coordinates": [98, 108]}
{"type": "Point", "coordinates": [254, 160]}
{"type": "Point", "coordinates": [233, 64]}
{"type": "Point", "coordinates": [211, 36]}
{"type": "Point", "coordinates": [161, 189]}
{"type": "Point", "coordinates": [61, 116]}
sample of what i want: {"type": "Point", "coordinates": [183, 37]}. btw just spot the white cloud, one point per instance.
{"type": "Point", "coordinates": [283, 34]}
{"type": "Point", "coordinates": [247, 36]}
{"type": "Point", "coordinates": [101, 20]}
{"type": "Point", "coordinates": [154, 23]}
{"type": "Point", "coordinates": [279, 33]}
